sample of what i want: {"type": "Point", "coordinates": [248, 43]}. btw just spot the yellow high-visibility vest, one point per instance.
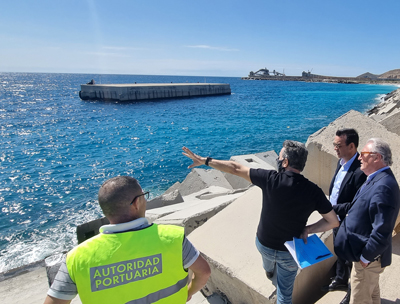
{"type": "Point", "coordinates": [135, 267]}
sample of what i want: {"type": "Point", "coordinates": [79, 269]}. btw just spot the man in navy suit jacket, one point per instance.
{"type": "Point", "coordinates": [347, 180]}
{"type": "Point", "coordinates": [365, 236]}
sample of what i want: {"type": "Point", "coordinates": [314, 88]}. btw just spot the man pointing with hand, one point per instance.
{"type": "Point", "coordinates": [288, 200]}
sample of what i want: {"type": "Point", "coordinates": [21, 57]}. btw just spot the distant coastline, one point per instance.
{"type": "Point", "coordinates": [390, 77]}
{"type": "Point", "coordinates": [347, 80]}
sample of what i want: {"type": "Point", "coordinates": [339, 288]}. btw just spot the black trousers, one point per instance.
{"type": "Point", "coordinates": [343, 268]}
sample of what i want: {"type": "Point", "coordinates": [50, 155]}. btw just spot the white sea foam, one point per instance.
{"type": "Point", "coordinates": [21, 250]}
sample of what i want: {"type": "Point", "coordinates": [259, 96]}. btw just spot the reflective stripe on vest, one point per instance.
{"type": "Point", "coordinates": [164, 293]}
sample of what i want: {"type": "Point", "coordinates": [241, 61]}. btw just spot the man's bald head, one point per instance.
{"type": "Point", "coordinates": [115, 196]}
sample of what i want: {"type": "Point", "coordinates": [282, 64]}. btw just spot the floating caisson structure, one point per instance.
{"type": "Point", "coordinates": [133, 92]}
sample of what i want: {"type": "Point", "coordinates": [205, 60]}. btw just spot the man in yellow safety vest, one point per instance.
{"type": "Point", "coordinates": [130, 261]}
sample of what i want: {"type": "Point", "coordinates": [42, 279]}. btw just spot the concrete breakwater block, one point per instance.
{"type": "Point", "coordinates": [264, 160]}
{"type": "Point", "coordinates": [173, 188]}
{"type": "Point", "coordinates": [188, 201]}
{"type": "Point", "coordinates": [197, 209]}
{"type": "Point", "coordinates": [199, 179]}
{"type": "Point", "coordinates": [154, 214]}
{"type": "Point", "coordinates": [89, 229]}
{"type": "Point", "coordinates": [235, 263]}
{"type": "Point", "coordinates": [268, 157]}
{"type": "Point", "coordinates": [392, 122]}
{"type": "Point", "coordinates": [143, 91]}
{"type": "Point", "coordinates": [166, 199]}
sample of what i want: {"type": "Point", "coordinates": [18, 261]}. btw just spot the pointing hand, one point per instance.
{"type": "Point", "coordinates": [197, 160]}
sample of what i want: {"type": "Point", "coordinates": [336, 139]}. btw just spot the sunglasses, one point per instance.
{"type": "Point", "coordinates": [367, 153]}
{"type": "Point", "coordinates": [146, 194]}
{"type": "Point", "coordinates": [338, 146]}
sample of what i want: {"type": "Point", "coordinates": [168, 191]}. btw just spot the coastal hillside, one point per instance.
{"type": "Point", "coordinates": [392, 74]}
{"type": "Point", "coordinates": [368, 75]}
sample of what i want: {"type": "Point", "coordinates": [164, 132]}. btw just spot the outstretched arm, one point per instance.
{"type": "Point", "coordinates": [222, 165]}
{"type": "Point", "coordinates": [329, 220]}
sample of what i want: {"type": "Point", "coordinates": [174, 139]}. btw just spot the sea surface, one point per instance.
{"type": "Point", "coordinates": [56, 150]}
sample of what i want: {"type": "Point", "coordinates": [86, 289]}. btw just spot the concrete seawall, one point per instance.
{"type": "Point", "coordinates": [133, 92]}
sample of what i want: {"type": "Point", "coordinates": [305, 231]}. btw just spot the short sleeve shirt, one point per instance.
{"type": "Point", "coordinates": [288, 200]}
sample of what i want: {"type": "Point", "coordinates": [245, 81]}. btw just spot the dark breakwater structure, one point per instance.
{"type": "Point", "coordinates": [368, 78]}
{"type": "Point", "coordinates": [133, 92]}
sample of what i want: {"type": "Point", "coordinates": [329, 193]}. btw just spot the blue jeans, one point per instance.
{"type": "Point", "coordinates": [286, 271]}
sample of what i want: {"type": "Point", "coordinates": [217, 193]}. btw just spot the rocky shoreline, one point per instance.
{"type": "Point", "coordinates": [387, 113]}
{"type": "Point", "coordinates": [391, 98]}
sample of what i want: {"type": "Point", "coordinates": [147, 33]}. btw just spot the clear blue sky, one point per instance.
{"type": "Point", "coordinates": [205, 38]}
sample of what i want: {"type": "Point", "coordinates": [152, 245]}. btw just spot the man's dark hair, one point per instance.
{"type": "Point", "coordinates": [351, 136]}
{"type": "Point", "coordinates": [296, 154]}
{"type": "Point", "coordinates": [116, 193]}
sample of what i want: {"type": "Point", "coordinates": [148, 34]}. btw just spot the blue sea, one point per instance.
{"type": "Point", "coordinates": [56, 150]}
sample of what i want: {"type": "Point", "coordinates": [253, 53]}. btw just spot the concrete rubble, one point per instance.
{"type": "Point", "coordinates": [220, 213]}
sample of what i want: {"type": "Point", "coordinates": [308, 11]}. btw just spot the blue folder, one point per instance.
{"type": "Point", "coordinates": [308, 254]}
